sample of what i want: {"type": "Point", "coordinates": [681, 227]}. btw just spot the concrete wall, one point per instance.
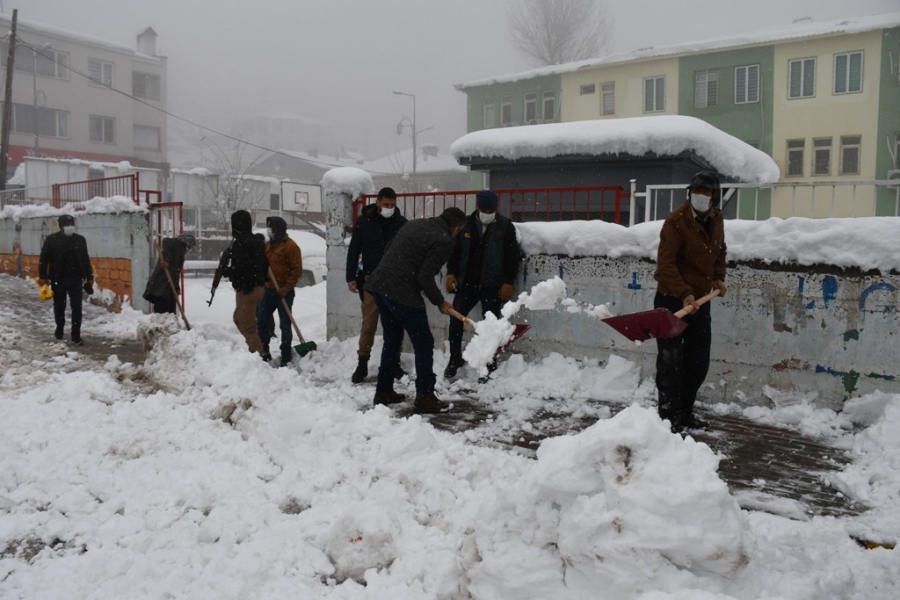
{"type": "Point", "coordinates": [117, 244]}
{"type": "Point", "coordinates": [828, 332]}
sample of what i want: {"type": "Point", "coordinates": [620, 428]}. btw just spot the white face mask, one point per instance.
{"type": "Point", "coordinates": [269, 234]}
{"type": "Point", "coordinates": [387, 213]}
{"type": "Point", "coordinates": [486, 218]}
{"type": "Point", "coordinates": [69, 229]}
{"type": "Point", "coordinates": [700, 203]}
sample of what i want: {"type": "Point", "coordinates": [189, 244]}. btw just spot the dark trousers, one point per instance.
{"type": "Point", "coordinates": [683, 361]}
{"type": "Point", "coordinates": [465, 300]}
{"type": "Point", "coordinates": [264, 318]}
{"type": "Point", "coordinates": [163, 305]}
{"type": "Point", "coordinates": [70, 288]}
{"type": "Point", "coordinates": [395, 318]}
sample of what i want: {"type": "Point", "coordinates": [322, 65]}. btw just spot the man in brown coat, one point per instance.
{"type": "Point", "coordinates": [286, 262]}
{"type": "Point", "coordinates": [690, 264]}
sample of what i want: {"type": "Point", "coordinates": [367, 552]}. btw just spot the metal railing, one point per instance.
{"type": "Point", "coordinates": [26, 196]}
{"type": "Point", "coordinates": [78, 192]}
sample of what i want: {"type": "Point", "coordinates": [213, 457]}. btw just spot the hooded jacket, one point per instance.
{"type": "Point", "coordinates": [158, 287]}
{"type": "Point", "coordinates": [283, 254]}
{"type": "Point", "coordinates": [370, 238]}
{"type": "Point", "coordinates": [248, 266]}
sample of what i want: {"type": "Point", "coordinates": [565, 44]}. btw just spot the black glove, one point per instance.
{"type": "Point", "coordinates": [89, 287]}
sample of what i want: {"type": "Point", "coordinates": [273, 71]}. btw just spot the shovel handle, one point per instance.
{"type": "Point", "coordinates": [454, 313]}
{"type": "Point", "coordinates": [175, 293]}
{"type": "Point", "coordinates": [689, 309]}
{"type": "Point", "coordinates": [287, 308]}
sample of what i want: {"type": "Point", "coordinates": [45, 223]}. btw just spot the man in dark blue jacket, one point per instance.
{"type": "Point", "coordinates": [404, 276]}
{"type": "Point", "coordinates": [375, 228]}
{"type": "Point", "coordinates": [482, 268]}
{"type": "Point", "coordinates": [66, 266]}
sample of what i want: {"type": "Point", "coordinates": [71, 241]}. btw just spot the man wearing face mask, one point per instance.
{"type": "Point", "coordinates": [482, 268]}
{"type": "Point", "coordinates": [286, 262]}
{"type": "Point", "coordinates": [376, 226]}
{"type": "Point", "coordinates": [66, 266]}
{"type": "Point", "coordinates": [690, 264]}
{"type": "Point", "coordinates": [248, 271]}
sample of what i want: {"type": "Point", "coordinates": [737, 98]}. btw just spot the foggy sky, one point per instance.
{"type": "Point", "coordinates": [339, 60]}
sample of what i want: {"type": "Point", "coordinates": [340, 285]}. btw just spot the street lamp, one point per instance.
{"type": "Point", "coordinates": [415, 147]}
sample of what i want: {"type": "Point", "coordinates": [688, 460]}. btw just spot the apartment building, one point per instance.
{"type": "Point", "coordinates": [823, 99]}
{"type": "Point", "coordinates": [76, 96]}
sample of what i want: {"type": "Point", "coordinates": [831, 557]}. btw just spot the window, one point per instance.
{"type": "Point", "coordinates": [706, 88]}
{"type": "Point", "coordinates": [654, 94]}
{"type": "Point", "coordinates": [746, 84]}
{"type": "Point", "coordinates": [50, 122]}
{"type": "Point", "coordinates": [274, 203]}
{"type": "Point", "coordinates": [848, 73]}
{"type": "Point", "coordinates": [588, 89]}
{"type": "Point", "coordinates": [49, 62]}
{"type": "Point", "coordinates": [100, 72]}
{"type": "Point", "coordinates": [850, 155]}
{"type": "Point", "coordinates": [146, 138]}
{"type": "Point", "coordinates": [103, 129]}
{"type": "Point", "coordinates": [506, 110]}
{"type": "Point", "coordinates": [608, 98]}
{"type": "Point", "coordinates": [531, 108]}
{"type": "Point", "coordinates": [795, 157]}
{"type": "Point", "coordinates": [145, 85]}
{"type": "Point", "coordinates": [821, 156]}
{"type": "Point", "coordinates": [548, 111]}
{"type": "Point", "coordinates": [489, 113]}
{"type": "Point", "coordinates": [802, 78]}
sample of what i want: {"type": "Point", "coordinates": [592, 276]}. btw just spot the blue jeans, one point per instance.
{"type": "Point", "coordinates": [264, 320]}
{"type": "Point", "coordinates": [395, 318]}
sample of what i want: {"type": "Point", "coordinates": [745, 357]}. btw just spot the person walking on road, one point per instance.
{"type": "Point", "coordinates": [403, 276]}
{"type": "Point", "coordinates": [158, 292]}
{"type": "Point", "coordinates": [690, 263]}
{"type": "Point", "coordinates": [64, 264]}
{"type": "Point", "coordinates": [286, 261]}
{"type": "Point", "coordinates": [377, 225]}
{"type": "Point", "coordinates": [481, 269]}
{"type": "Point", "coordinates": [248, 272]}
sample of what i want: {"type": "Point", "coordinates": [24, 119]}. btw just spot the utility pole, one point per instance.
{"type": "Point", "coordinates": [7, 101]}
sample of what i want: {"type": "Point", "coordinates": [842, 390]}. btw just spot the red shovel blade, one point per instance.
{"type": "Point", "coordinates": [520, 330]}
{"type": "Point", "coordinates": [657, 323]}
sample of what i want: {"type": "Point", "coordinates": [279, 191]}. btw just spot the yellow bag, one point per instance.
{"type": "Point", "coordinates": [44, 291]}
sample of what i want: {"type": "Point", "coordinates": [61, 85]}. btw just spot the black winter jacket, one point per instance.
{"type": "Point", "coordinates": [411, 262]}
{"type": "Point", "coordinates": [485, 256]}
{"type": "Point", "coordinates": [65, 257]}
{"type": "Point", "coordinates": [370, 238]}
{"type": "Point", "coordinates": [158, 285]}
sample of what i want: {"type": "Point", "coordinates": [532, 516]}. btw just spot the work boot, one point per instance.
{"type": "Point", "coordinates": [692, 422]}
{"type": "Point", "coordinates": [456, 361]}
{"type": "Point", "coordinates": [58, 334]}
{"type": "Point", "coordinates": [76, 339]}
{"type": "Point", "coordinates": [389, 397]}
{"type": "Point", "coordinates": [429, 404]}
{"type": "Point", "coordinates": [362, 370]}
{"type": "Point", "coordinates": [286, 358]}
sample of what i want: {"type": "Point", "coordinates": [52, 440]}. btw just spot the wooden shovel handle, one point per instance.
{"type": "Point", "coordinates": [689, 309]}
{"type": "Point", "coordinates": [454, 313]}
{"type": "Point", "coordinates": [175, 293]}
{"type": "Point", "coordinates": [287, 308]}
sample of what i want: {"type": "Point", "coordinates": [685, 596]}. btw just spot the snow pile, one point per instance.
{"type": "Point", "coordinates": [348, 180]}
{"type": "Point", "coordinates": [114, 204]}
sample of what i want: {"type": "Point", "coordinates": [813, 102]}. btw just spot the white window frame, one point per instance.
{"type": "Point", "coordinates": [653, 106]}
{"type": "Point", "coordinates": [530, 106]}
{"type": "Point", "coordinates": [59, 118]}
{"type": "Point", "coordinates": [588, 89]}
{"type": "Point", "coordinates": [803, 64]}
{"type": "Point", "coordinates": [104, 68]}
{"type": "Point", "coordinates": [706, 88]}
{"type": "Point", "coordinates": [821, 155]}
{"type": "Point", "coordinates": [50, 62]}
{"type": "Point", "coordinates": [142, 132]}
{"type": "Point", "coordinates": [488, 113]}
{"type": "Point", "coordinates": [795, 146]}
{"type": "Point", "coordinates": [608, 98]}
{"type": "Point", "coordinates": [144, 93]}
{"type": "Point", "coordinates": [848, 56]}
{"type": "Point", "coordinates": [746, 70]}
{"type": "Point", "coordinates": [107, 129]}
{"type": "Point", "coordinates": [548, 99]}
{"type": "Point", "coordinates": [850, 143]}
{"type": "Point", "coordinates": [506, 110]}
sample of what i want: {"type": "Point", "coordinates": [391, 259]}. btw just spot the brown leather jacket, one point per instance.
{"type": "Point", "coordinates": [286, 262]}
{"type": "Point", "coordinates": [689, 259]}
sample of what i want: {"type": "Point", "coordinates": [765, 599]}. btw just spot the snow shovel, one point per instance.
{"type": "Point", "coordinates": [175, 293]}
{"type": "Point", "coordinates": [656, 323]}
{"type": "Point", "coordinates": [520, 329]}
{"type": "Point", "coordinates": [304, 347]}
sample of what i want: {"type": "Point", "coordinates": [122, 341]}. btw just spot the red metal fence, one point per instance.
{"type": "Point", "coordinates": [519, 205]}
{"type": "Point", "coordinates": [79, 192]}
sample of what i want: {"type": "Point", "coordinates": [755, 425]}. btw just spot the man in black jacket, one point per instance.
{"type": "Point", "coordinates": [158, 292]}
{"type": "Point", "coordinates": [377, 225]}
{"type": "Point", "coordinates": [248, 270]}
{"type": "Point", "coordinates": [406, 272]}
{"type": "Point", "coordinates": [482, 268]}
{"type": "Point", "coordinates": [66, 266]}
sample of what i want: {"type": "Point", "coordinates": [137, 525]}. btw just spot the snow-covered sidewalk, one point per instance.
{"type": "Point", "coordinates": [204, 473]}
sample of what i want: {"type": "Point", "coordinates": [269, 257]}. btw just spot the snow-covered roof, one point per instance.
{"type": "Point", "coordinates": [122, 166]}
{"type": "Point", "coordinates": [26, 26]}
{"type": "Point", "coordinates": [664, 135]}
{"type": "Point", "coordinates": [800, 30]}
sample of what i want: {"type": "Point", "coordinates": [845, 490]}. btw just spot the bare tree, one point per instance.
{"type": "Point", "coordinates": [235, 188]}
{"type": "Point", "coordinates": [553, 32]}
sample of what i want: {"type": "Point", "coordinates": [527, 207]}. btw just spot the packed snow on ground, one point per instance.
{"type": "Point", "coordinates": [205, 473]}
